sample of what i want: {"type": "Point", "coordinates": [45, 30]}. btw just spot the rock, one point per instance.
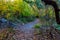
{"type": "Point", "coordinates": [5, 23]}
{"type": "Point", "coordinates": [2, 20]}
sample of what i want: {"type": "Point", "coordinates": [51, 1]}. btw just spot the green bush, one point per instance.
{"type": "Point", "coordinates": [37, 26]}
{"type": "Point", "coordinates": [19, 9]}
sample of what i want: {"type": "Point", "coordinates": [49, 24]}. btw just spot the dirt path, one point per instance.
{"type": "Point", "coordinates": [25, 32]}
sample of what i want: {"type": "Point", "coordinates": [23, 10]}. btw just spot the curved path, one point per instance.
{"type": "Point", "coordinates": [28, 26]}
{"type": "Point", "coordinates": [26, 31]}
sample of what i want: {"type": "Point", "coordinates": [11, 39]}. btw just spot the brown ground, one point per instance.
{"type": "Point", "coordinates": [43, 34]}
{"type": "Point", "coordinates": [47, 34]}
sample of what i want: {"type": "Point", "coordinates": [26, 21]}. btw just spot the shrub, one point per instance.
{"type": "Point", "coordinates": [37, 26]}
{"type": "Point", "coordinates": [13, 10]}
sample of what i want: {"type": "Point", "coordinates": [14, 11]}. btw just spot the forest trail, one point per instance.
{"type": "Point", "coordinates": [29, 26]}
{"type": "Point", "coordinates": [26, 31]}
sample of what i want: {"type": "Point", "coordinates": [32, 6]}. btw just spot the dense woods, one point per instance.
{"type": "Point", "coordinates": [18, 17]}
